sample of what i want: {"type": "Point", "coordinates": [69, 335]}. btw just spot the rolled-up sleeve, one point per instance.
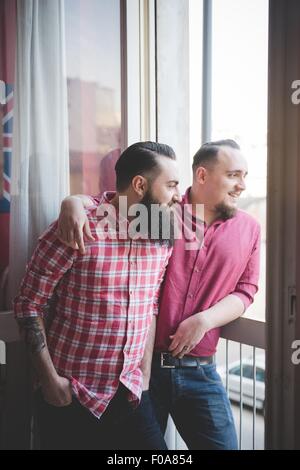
{"type": "Point", "coordinates": [50, 261]}
{"type": "Point", "coordinates": [247, 286]}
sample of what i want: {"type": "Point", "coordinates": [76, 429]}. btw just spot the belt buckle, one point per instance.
{"type": "Point", "coordinates": [162, 359]}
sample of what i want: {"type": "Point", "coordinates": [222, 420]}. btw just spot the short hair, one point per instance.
{"type": "Point", "coordinates": [142, 159]}
{"type": "Point", "coordinates": [208, 152]}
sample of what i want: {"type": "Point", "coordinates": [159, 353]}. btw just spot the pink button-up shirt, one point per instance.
{"type": "Point", "coordinates": [227, 263]}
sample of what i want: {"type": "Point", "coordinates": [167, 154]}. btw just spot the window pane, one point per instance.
{"type": "Point", "coordinates": [94, 92]}
{"type": "Point", "coordinates": [239, 102]}
{"type": "Point", "coordinates": [235, 370]}
{"type": "Point", "coordinates": [248, 372]}
{"type": "Point", "coordinates": [260, 375]}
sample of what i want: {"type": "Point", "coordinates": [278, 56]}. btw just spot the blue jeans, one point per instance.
{"type": "Point", "coordinates": [198, 404]}
{"type": "Point", "coordinates": [143, 431]}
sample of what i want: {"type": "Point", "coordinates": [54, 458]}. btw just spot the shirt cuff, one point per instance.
{"type": "Point", "coordinates": [95, 200]}
{"type": "Point", "coordinates": [244, 298]}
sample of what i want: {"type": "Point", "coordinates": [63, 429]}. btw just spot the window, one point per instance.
{"type": "Point", "coordinates": [235, 371]}
{"type": "Point", "coordinates": [260, 375]}
{"type": "Point", "coordinates": [248, 372]}
{"type": "Point", "coordinates": [93, 59]}
{"type": "Point", "coordinates": [239, 102]}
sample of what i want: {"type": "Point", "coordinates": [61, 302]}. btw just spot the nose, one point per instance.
{"type": "Point", "coordinates": [241, 184]}
{"type": "Point", "coordinates": [177, 196]}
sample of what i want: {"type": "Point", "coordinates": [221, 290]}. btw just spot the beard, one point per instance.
{"type": "Point", "coordinates": [161, 225]}
{"type": "Point", "coordinates": [225, 212]}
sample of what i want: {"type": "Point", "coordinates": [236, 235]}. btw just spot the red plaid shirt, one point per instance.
{"type": "Point", "coordinates": [104, 304]}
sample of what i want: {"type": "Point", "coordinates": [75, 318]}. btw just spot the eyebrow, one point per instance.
{"type": "Point", "coordinates": [173, 181]}
{"type": "Point", "coordinates": [238, 171]}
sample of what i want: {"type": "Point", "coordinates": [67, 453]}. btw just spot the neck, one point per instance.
{"type": "Point", "coordinates": [195, 197]}
{"type": "Point", "coordinates": [130, 200]}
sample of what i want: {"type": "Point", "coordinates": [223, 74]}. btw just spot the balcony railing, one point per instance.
{"type": "Point", "coordinates": [16, 414]}
{"type": "Point", "coordinates": [241, 335]}
{"type": "Point", "coordinates": [246, 332]}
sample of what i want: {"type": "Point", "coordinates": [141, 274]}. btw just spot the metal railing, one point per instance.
{"type": "Point", "coordinates": [251, 333]}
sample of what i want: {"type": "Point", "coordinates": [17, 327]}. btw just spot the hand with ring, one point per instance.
{"type": "Point", "coordinates": [184, 349]}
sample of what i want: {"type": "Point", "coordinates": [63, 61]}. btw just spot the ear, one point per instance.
{"type": "Point", "coordinates": [201, 174]}
{"type": "Point", "coordinates": [139, 185]}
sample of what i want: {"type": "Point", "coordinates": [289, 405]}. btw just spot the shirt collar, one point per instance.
{"type": "Point", "coordinates": [107, 196]}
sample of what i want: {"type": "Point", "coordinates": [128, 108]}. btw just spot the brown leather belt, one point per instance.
{"type": "Point", "coordinates": [167, 361]}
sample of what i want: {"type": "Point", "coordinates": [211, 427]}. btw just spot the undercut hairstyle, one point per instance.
{"type": "Point", "coordinates": [141, 158]}
{"type": "Point", "coordinates": [207, 155]}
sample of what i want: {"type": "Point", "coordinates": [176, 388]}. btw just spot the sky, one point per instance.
{"type": "Point", "coordinates": [240, 67]}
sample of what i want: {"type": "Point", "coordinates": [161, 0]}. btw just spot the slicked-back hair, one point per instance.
{"type": "Point", "coordinates": [141, 158]}
{"type": "Point", "coordinates": [208, 152]}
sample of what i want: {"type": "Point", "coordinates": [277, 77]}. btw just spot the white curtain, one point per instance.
{"type": "Point", "coordinates": [40, 165]}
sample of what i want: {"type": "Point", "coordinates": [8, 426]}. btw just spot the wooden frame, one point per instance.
{"type": "Point", "coordinates": [282, 395]}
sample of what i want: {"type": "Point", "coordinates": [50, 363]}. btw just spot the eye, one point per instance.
{"type": "Point", "coordinates": [237, 174]}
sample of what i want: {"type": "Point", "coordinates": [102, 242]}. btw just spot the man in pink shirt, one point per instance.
{"type": "Point", "coordinates": [204, 289]}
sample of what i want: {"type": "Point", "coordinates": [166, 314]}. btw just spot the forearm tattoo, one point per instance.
{"type": "Point", "coordinates": [33, 334]}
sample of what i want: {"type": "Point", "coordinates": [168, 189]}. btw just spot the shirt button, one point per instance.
{"type": "Point", "coordinates": [190, 295]}
{"type": "Point", "coordinates": [196, 270]}
{"type": "Point", "coordinates": [131, 292]}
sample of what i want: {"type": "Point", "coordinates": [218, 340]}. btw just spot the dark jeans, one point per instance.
{"type": "Point", "coordinates": [120, 427]}
{"type": "Point", "coordinates": [145, 432]}
{"type": "Point", "coordinates": [198, 404]}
